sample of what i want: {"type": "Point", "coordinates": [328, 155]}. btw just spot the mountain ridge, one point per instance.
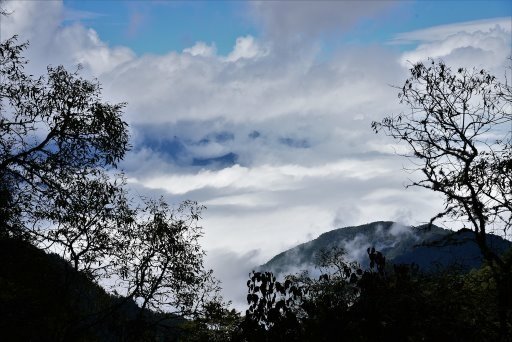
{"type": "Point", "coordinates": [429, 247]}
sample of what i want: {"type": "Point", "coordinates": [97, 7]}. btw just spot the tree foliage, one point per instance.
{"type": "Point", "coordinates": [383, 302]}
{"type": "Point", "coordinates": [459, 131]}
{"type": "Point", "coordinates": [287, 310]}
{"type": "Point", "coordinates": [59, 147]}
{"type": "Point", "coordinates": [55, 132]}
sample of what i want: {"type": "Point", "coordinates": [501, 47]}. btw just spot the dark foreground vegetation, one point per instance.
{"type": "Point", "coordinates": [44, 299]}
{"type": "Point", "coordinates": [382, 303]}
{"type": "Point", "coordinates": [69, 224]}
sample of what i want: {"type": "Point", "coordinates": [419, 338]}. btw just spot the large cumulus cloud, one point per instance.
{"type": "Point", "coordinates": [481, 44]}
{"type": "Point", "coordinates": [56, 38]}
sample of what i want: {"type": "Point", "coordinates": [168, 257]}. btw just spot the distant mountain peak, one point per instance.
{"type": "Point", "coordinates": [424, 245]}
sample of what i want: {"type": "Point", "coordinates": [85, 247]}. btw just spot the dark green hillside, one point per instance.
{"type": "Point", "coordinates": [429, 248]}
{"type": "Point", "coordinates": [457, 248]}
{"type": "Point", "coordinates": [43, 299]}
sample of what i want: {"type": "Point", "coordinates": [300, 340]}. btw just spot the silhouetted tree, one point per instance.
{"type": "Point", "coordinates": [59, 146]}
{"type": "Point", "coordinates": [459, 133]}
{"type": "Point", "coordinates": [55, 131]}
{"type": "Point", "coordinates": [301, 307]}
{"type": "Point", "coordinates": [217, 324]}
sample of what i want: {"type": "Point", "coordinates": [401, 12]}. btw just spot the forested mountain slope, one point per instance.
{"type": "Point", "coordinates": [42, 298]}
{"type": "Point", "coordinates": [429, 248]}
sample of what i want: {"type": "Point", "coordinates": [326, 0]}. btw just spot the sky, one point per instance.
{"type": "Point", "coordinates": [261, 111]}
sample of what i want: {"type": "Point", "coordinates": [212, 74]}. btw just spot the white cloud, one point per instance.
{"type": "Point", "coordinates": [246, 47]}
{"type": "Point", "coordinates": [185, 87]}
{"type": "Point", "coordinates": [274, 208]}
{"type": "Point", "coordinates": [284, 177]}
{"type": "Point", "coordinates": [440, 32]}
{"type": "Point", "coordinates": [31, 19]}
{"type": "Point", "coordinates": [233, 268]}
{"type": "Point", "coordinates": [481, 44]}
{"type": "Point", "coordinates": [202, 49]}
{"type": "Point", "coordinates": [54, 43]}
{"type": "Point", "coordinates": [86, 48]}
